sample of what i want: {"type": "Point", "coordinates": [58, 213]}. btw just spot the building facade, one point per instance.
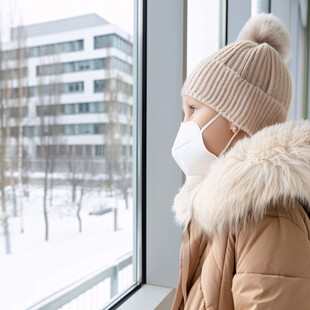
{"type": "Point", "coordinates": [68, 93]}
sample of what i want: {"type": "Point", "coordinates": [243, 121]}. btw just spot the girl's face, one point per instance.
{"type": "Point", "coordinates": [218, 134]}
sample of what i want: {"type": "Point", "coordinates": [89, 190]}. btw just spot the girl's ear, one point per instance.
{"type": "Point", "coordinates": [234, 128]}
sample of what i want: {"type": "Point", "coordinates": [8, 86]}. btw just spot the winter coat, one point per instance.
{"type": "Point", "coordinates": [246, 226]}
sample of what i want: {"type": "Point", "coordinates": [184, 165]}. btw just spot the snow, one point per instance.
{"type": "Point", "coordinates": [37, 268]}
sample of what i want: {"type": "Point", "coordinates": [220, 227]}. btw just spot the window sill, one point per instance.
{"type": "Point", "coordinates": [150, 297]}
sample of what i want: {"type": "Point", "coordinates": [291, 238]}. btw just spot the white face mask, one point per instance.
{"type": "Point", "coordinates": [189, 150]}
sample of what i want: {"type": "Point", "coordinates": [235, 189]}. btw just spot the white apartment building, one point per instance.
{"type": "Point", "coordinates": [72, 69]}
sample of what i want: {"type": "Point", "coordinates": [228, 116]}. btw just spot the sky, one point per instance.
{"type": "Point", "coordinates": [118, 12]}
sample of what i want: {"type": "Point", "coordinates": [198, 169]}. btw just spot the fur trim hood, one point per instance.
{"type": "Point", "coordinates": [271, 166]}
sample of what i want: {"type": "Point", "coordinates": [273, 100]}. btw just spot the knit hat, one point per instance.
{"type": "Point", "coordinates": [247, 81]}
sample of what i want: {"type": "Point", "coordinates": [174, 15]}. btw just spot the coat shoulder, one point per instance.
{"type": "Point", "coordinates": [277, 244]}
{"type": "Point", "coordinates": [294, 211]}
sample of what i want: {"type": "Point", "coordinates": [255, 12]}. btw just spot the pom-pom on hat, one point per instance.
{"type": "Point", "coordinates": [247, 81]}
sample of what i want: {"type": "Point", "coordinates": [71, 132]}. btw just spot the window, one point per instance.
{"type": "Point", "coordinates": [86, 151]}
{"type": "Point", "coordinates": [94, 129]}
{"type": "Point", "coordinates": [99, 150]}
{"type": "Point", "coordinates": [89, 150]}
{"type": "Point", "coordinates": [69, 129]}
{"type": "Point", "coordinates": [79, 150]}
{"type": "Point", "coordinates": [75, 87]}
{"type": "Point", "coordinates": [98, 63]}
{"type": "Point", "coordinates": [75, 174]}
{"type": "Point", "coordinates": [68, 108]}
{"type": "Point", "coordinates": [68, 67]}
{"type": "Point", "coordinates": [113, 40]}
{"type": "Point", "coordinates": [85, 65]}
{"type": "Point", "coordinates": [83, 107]}
{"type": "Point", "coordinates": [72, 108]}
{"type": "Point", "coordinates": [16, 112]}
{"type": "Point", "coordinates": [112, 85]}
{"type": "Point", "coordinates": [99, 86]}
{"type": "Point", "coordinates": [85, 129]}
{"type": "Point", "coordinates": [95, 107]}
{"type": "Point", "coordinates": [62, 150]}
{"type": "Point", "coordinates": [47, 90]}
{"type": "Point", "coordinates": [28, 131]}
{"type": "Point", "coordinates": [14, 73]}
{"type": "Point", "coordinates": [42, 50]}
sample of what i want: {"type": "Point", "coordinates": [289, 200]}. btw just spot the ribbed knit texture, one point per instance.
{"type": "Point", "coordinates": [246, 82]}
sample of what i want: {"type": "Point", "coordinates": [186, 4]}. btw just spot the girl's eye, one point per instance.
{"type": "Point", "coordinates": [192, 107]}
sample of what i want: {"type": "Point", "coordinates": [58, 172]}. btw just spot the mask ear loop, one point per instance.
{"type": "Point", "coordinates": [210, 122]}
{"type": "Point", "coordinates": [227, 145]}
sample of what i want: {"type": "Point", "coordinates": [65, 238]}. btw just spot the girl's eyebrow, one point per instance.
{"type": "Point", "coordinates": [185, 103]}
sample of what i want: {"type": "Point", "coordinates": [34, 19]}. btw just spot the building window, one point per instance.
{"type": "Point", "coordinates": [10, 74]}
{"type": "Point", "coordinates": [48, 90]}
{"type": "Point", "coordinates": [68, 108]}
{"type": "Point", "coordinates": [88, 150]}
{"type": "Point", "coordinates": [84, 107]}
{"type": "Point", "coordinates": [84, 65]}
{"type": "Point", "coordinates": [99, 86]}
{"type": "Point", "coordinates": [69, 129]}
{"type": "Point", "coordinates": [75, 87]}
{"type": "Point", "coordinates": [113, 40]}
{"type": "Point", "coordinates": [79, 150]}
{"type": "Point", "coordinates": [17, 112]}
{"type": "Point", "coordinates": [86, 129]}
{"type": "Point", "coordinates": [42, 50]}
{"type": "Point", "coordinates": [114, 85]}
{"type": "Point", "coordinates": [99, 150]}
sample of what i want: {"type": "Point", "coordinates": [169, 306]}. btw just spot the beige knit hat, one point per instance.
{"type": "Point", "coordinates": [247, 81]}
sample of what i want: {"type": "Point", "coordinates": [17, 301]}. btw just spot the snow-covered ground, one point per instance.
{"type": "Point", "coordinates": [37, 268]}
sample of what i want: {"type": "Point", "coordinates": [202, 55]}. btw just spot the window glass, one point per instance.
{"type": "Point", "coordinates": [99, 86]}
{"type": "Point", "coordinates": [89, 150]}
{"type": "Point", "coordinates": [68, 67]}
{"type": "Point", "coordinates": [69, 129]}
{"type": "Point", "coordinates": [94, 107]}
{"type": "Point", "coordinates": [84, 65]}
{"type": "Point", "coordinates": [68, 108]}
{"type": "Point", "coordinates": [83, 107]}
{"type": "Point", "coordinates": [99, 150]}
{"type": "Point", "coordinates": [205, 32]}
{"type": "Point", "coordinates": [69, 213]}
{"type": "Point", "coordinates": [112, 40]}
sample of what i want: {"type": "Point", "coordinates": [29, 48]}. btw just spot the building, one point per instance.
{"type": "Point", "coordinates": [67, 82]}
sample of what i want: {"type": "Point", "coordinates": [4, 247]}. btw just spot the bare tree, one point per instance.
{"type": "Point", "coordinates": [115, 161]}
{"type": "Point", "coordinates": [13, 66]}
{"type": "Point", "coordinates": [8, 165]}
{"type": "Point", "coordinates": [22, 101]}
{"type": "Point", "coordinates": [80, 173]}
{"type": "Point", "coordinates": [3, 123]}
{"type": "Point", "coordinates": [49, 90]}
{"type": "Point", "coordinates": [125, 182]}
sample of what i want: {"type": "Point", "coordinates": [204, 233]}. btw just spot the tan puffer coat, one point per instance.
{"type": "Point", "coordinates": [246, 231]}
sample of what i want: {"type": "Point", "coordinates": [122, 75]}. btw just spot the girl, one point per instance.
{"type": "Point", "coordinates": [244, 205]}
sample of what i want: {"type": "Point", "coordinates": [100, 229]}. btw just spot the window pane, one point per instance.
{"type": "Point", "coordinates": [69, 182]}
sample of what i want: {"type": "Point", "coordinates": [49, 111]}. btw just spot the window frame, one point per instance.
{"type": "Point", "coordinates": [139, 156]}
{"type": "Point", "coordinates": [160, 68]}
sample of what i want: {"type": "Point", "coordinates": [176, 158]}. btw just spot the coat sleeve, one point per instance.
{"type": "Point", "coordinates": [272, 266]}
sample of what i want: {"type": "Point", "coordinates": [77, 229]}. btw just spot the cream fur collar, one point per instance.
{"type": "Point", "coordinates": [273, 164]}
